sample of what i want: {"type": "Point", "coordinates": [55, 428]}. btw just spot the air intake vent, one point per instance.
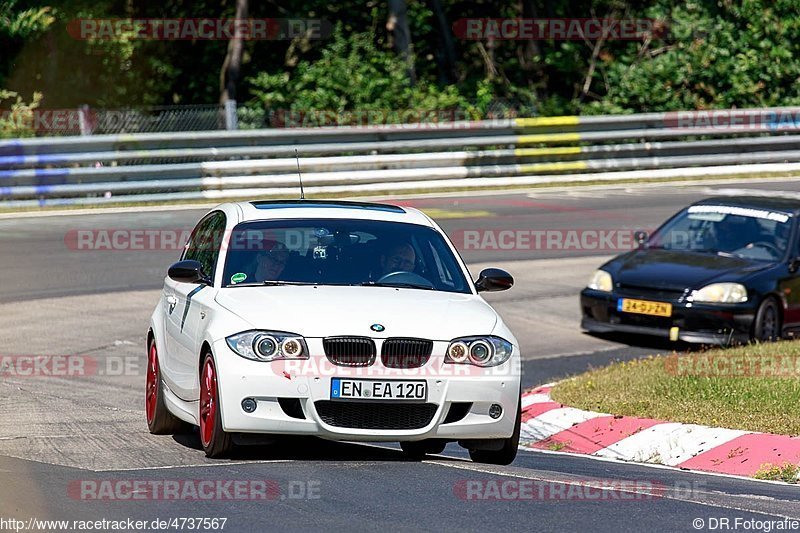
{"type": "Point", "coordinates": [406, 353]}
{"type": "Point", "coordinates": [369, 415]}
{"type": "Point", "coordinates": [350, 351]}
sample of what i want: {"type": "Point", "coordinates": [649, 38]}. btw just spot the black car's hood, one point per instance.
{"type": "Point", "coordinates": [669, 269]}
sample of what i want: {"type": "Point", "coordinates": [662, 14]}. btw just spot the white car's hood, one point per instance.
{"type": "Point", "coordinates": [328, 311]}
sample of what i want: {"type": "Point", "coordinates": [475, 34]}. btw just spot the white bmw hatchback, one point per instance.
{"type": "Point", "coordinates": [342, 320]}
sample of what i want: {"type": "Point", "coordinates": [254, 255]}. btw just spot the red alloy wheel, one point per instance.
{"type": "Point", "coordinates": [208, 402]}
{"type": "Point", "coordinates": [151, 396]}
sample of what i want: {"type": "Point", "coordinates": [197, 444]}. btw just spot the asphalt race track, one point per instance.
{"type": "Point", "coordinates": [60, 435]}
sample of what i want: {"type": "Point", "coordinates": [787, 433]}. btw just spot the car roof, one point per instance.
{"type": "Point", "coordinates": [782, 204]}
{"type": "Point", "coordinates": [283, 209]}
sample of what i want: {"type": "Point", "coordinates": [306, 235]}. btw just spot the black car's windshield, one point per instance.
{"type": "Point", "coordinates": [750, 233]}
{"type": "Point", "coordinates": [341, 252]}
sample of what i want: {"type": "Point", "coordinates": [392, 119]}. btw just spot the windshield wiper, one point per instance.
{"type": "Point", "coordinates": [404, 285]}
{"type": "Point", "coordinates": [270, 283]}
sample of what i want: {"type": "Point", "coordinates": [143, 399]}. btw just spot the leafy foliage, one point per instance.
{"type": "Point", "coordinates": [714, 54]}
{"type": "Point", "coordinates": [352, 74]}
{"type": "Point", "coordinates": [24, 23]}
{"type": "Point", "coordinates": [18, 121]}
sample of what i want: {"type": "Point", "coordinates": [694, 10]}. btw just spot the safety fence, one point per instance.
{"type": "Point", "coordinates": [433, 156]}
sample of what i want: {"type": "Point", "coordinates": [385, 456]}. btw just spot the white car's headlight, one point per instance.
{"type": "Point", "coordinates": [601, 281]}
{"type": "Point", "coordinates": [724, 293]}
{"type": "Point", "coordinates": [480, 351]}
{"type": "Point", "coordinates": [261, 345]}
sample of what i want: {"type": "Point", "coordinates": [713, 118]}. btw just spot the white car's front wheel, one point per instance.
{"type": "Point", "coordinates": [216, 441]}
{"type": "Point", "coordinates": [507, 449]}
{"type": "Point", "coordinates": [417, 450]}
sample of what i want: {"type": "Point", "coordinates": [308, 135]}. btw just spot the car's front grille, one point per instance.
{"type": "Point", "coordinates": [350, 351]}
{"type": "Point", "coordinates": [406, 353]}
{"type": "Point", "coordinates": [657, 293]}
{"type": "Point", "coordinates": [375, 415]}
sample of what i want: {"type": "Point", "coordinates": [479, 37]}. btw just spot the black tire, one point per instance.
{"type": "Point", "coordinates": [418, 449]}
{"type": "Point", "coordinates": [507, 452]}
{"type": "Point", "coordinates": [159, 420]}
{"type": "Point", "coordinates": [767, 325]}
{"type": "Point", "coordinates": [215, 440]}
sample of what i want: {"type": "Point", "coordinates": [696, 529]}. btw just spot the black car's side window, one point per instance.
{"type": "Point", "coordinates": [205, 242]}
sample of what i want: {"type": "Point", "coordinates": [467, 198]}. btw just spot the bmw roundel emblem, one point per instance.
{"type": "Point", "coordinates": [377, 327]}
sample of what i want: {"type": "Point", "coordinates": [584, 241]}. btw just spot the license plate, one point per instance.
{"type": "Point", "coordinates": [644, 307]}
{"type": "Point", "coordinates": [383, 390]}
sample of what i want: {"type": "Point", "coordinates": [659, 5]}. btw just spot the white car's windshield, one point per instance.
{"type": "Point", "coordinates": [727, 230]}
{"type": "Point", "coordinates": [341, 252]}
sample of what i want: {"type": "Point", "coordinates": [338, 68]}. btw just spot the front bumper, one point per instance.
{"type": "Point", "coordinates": [467, 389]}
{"type": "Point", "coordinates": [694, 323]}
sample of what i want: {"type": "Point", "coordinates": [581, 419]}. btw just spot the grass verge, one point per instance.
{"type": "Point", "coordinates": [754, 388]}
{"type": "Point", "coordinates": [786, 472]}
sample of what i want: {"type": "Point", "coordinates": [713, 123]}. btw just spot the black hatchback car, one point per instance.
{"type": "Point", "coordinates": [723, 270]}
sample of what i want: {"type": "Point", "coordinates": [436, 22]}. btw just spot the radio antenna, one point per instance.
{"type": "Point", "coordinates": [297, 158]}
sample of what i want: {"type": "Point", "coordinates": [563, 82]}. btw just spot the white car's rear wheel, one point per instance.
{"type": "Point", "coordinates": [216, 442]}
{"type": "Point", "coordinates": [159, 420]}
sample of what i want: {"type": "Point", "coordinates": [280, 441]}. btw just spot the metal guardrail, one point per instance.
{"type": "Point", "coordinates": [218, 164]}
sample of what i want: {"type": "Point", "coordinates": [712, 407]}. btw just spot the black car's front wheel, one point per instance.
{"type": "Point", "coordinates": [767, 325]}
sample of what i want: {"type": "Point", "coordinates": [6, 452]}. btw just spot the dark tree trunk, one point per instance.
{"type": "Point", "coordinates": [531, 46]}
{"type": "Point", "coordinates": [447, 52]}
{"type": "Point", "coordinates": [401, 35]}
{"type": "Point", "coordinates": [231, 67]}
{"type": "Point", "coordinates": [528, 51]}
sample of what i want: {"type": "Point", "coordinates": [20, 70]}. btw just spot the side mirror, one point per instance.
{"type": "Point", "coordinates": [794, 265]}
{"type": "Point", "coordinates": [493, 280]}
{"type": "Point", "coordinates": [640, 237]}
{"type": "Point", "coordinates": [188, 271]}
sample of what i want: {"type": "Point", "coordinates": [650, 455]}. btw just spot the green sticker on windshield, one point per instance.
{"type": "Point", "coordinates": [238, 277]}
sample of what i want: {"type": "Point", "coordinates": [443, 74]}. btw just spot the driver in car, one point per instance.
{"type": "Point", "coordinates": [271, 261]}
{"type": "Point", "coordinates": [398, 258]}
{"type": "Point", "coordinates": [735, 232]}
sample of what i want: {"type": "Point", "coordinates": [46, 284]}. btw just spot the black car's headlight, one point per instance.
{"type": "Point", "coordinates": [601, 281]}
{"type": "Point", "coordinates": [722, 293]}
{"type": "Point", "coordinates": [260, 345]}
{"type": "Point", "coordinates": [480, 351]}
